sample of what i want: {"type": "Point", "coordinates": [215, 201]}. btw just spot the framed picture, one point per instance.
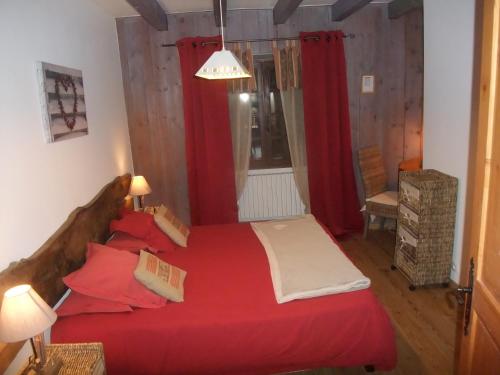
{"type": "Point", "coordinates": [367, 84]}
{"type": "Point", "coordinates": [62, 98]}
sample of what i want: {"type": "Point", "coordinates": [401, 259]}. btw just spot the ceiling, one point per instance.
{"type": "Point", "coordinates": [120, 8]}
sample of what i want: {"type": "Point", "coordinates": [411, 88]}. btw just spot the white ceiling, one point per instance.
{"type": "Point", "coordinates": [120, 8]}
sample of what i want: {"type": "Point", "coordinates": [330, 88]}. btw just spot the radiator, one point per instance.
{"type": "Point", "coordinates": [270, 194]}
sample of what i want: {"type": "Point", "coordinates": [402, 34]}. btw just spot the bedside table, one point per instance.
{"type": "Point", "coordinates": [77, 359]}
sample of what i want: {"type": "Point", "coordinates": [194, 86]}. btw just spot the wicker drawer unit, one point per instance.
{"type": "Point", "coordinates": [79, 359]}
{"type": "Point", "coordinates": [74, 359]}
{"type": "Point", "coordinates": [426, 226]}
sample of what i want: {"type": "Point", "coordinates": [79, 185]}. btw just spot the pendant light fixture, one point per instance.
{"type": "Point", "coordinates": [222, 64]}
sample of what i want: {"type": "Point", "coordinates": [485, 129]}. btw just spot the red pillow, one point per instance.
{"type": "Point", "coordinates": [137, 224]}
{"type": "Point", "coordinates": [124, 241]}
{"type": "Point", "coordinates": [109, 274]}
{"type": "Point", "coordinates": [143, 227]}
{"type": "Point", "coordinates": [77, 303]}
{"type": "Point", "coordinates": [157, 239]}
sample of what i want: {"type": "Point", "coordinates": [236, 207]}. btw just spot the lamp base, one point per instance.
{"type": "Point", "coordinates": [39, 363]}
{"type": "Point", "coordinates": [51, 367]}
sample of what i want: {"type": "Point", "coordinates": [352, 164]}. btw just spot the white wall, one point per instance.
{"type": "Point", "coordinates": [448, 61]}
{"type": "Point", "coordinates": [42, 183]}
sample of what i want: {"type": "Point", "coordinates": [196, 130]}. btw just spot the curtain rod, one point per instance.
{"type": "Point", "coordinates": [349, 36]}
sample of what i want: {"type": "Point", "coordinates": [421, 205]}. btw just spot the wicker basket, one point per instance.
{"type": "Point", "coordinates": [79, 359]}
{"type": "Point", "coordinates": [426, 225]}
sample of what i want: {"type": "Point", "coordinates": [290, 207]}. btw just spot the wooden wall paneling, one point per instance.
{"type": "Point", "coordinates": [217, 12]}
{"type": "Point", "coordinates": [414, 81]}
{"type": "Point", "coordinates": [238, 18]}
{"type": "Point", "coordinates": [315, 19]}
{"type": "Point", "coordinates": [365, 57]}
{"type": "Point", "coordinates": [394, 126]}
{"type": "Point", "coordinates": [180, 199]}
{"type": "Point", "coordinates": [156, 153]}
{"type": "Point", "coordinates": [204, 24]}
{"type": "Point", "coordinates": [135, 63]}
{"type": "Point", "coordinates": [172, 146]}
{"type": "Point", "coordinates": [265, 29]}
{"type": "Point", "coordinates": [173, 141]}
{"type": "Point", "coordinates": [384, 82]}
{"type": "Point", "coordinates": [362, 51]}
{"type": "Point", "coordinates": [158, 133]}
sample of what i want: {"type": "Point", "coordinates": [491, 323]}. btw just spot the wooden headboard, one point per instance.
{"type": "Point", "coordinates": [64, 251]}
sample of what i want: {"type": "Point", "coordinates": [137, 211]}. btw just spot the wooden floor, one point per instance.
{"type": "Point", "coordinates": [425, 320]}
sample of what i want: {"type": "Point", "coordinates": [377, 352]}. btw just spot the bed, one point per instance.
{"type": "Point", "coordinates": [230, 322]}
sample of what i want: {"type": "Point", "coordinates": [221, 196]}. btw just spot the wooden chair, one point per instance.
{"type": "Point", "coordinates": [378, 200]}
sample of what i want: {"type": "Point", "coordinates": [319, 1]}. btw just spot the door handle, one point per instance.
{"type": "Point", "coordinates": [463, 294]}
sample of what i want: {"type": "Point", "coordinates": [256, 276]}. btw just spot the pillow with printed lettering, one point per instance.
{"type": "Point", "coordinates": [160, 277]}
{"type": "Point", "coordinates": [171, 226]}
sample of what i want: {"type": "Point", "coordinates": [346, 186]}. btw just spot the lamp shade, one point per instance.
{"type": "Point", "coordinates": [139, 186]}
{"type": "Point", "coordinates": [222, 64]}
{"type": "Point", "coordinates": [24, 314]}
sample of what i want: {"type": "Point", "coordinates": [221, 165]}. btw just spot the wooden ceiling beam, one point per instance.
{"type": "Point", "coordinates": [284, 9]}
{"type": "Point", "coordinates": [152, 12]}
{"type": "Point", "coordinates": [397, 8]}
{"type": "Point", "coordinates": [217, 12]}
{"type": "Point", "coordinates": [344, 8]}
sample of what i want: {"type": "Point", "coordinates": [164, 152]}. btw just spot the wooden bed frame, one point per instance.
{"type": "Point", "coordinates": [64, 252]}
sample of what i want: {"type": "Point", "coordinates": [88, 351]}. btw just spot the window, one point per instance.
{"type": "Point", "coordinates": [269, 139]}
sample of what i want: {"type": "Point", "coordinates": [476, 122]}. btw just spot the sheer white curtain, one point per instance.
{"type": "Point", "coordinates": [293, 110]}
{"type": "Point", "coordinates": [241, 131]}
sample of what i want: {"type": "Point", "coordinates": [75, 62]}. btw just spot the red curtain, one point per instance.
{"type": "Point", "coordinates": [212, 192]}
{"type": "Point", "coordinates": [332, 186]}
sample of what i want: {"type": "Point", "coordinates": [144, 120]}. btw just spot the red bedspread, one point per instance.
{"type": "Point", "coordinates": [230, 322]}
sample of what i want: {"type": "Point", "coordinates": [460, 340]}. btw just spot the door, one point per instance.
{"type": "Point", "coordinates": [479, 334]}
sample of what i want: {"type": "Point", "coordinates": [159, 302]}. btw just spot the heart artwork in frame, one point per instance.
{"type": "Point", "coordinates": [63, 102]}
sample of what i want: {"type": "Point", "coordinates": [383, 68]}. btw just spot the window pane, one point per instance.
{"type": "Point", "coordinates": [256, 152]}
{"type": "Point", "coordinates": [269, 140]}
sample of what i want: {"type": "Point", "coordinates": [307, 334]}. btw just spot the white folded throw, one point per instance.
{"type": "Point", "coordinates": [304, 260]}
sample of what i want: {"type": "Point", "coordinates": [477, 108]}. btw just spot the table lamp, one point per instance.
{"type": "Point", "coordinates": [139, 188]}
{"type": "Point", "coordinates": [25, 315]}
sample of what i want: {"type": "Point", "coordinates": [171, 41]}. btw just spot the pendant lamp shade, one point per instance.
{"type": "Point", "coordinates": [222, 64]}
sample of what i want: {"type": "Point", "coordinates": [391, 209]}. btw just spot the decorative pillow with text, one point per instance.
{"type": "Point", "coordinates": [160, 277]}
{"type": "Point", "coordinates": [172, 226]}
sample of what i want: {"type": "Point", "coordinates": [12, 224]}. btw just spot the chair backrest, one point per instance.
{"type": "Point", "coordinates": [372, 169]}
